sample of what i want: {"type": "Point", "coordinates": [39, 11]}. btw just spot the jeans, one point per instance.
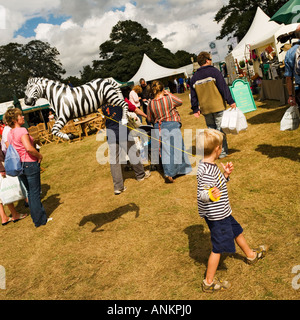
{"type": "Point", "coordinates": [213, 121]}
{"type": "Point", "coordinates": [31, 179]}
{"type": "Point", "coordinates": [174, 159]}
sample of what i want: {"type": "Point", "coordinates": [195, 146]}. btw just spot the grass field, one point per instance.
{"type": "Point", "coordinates": [149, 242]}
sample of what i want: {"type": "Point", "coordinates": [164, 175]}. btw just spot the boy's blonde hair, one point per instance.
{"type": "Point", "coordinates": [208, 140]}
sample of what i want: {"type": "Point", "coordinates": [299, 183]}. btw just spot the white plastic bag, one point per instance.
{"type": "Point", "coordinates": [233, 121]}
{"type": "Point", "coordinates": [225, 121]}
{"type": "Point", "coordinates": [10, 190]}
{"type": "Point", "coordinates": [291, 119]}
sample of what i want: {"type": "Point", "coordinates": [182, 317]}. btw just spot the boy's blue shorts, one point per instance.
{"type": "Point", "coordinates": [223, 232]}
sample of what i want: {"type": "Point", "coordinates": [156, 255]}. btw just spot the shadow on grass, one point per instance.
{"type": "Point", "coordinates": [199, 243]}
{"type": "Point", "coordinates": [200, 247]}
{"type": "Point", "coordinates": [50, 204]}
{"type": "Point", "coordinates": [292, 153]}
{"type": "Point", "coordinates": [100, 219]}
{"type": "Point", "coordinates": [273, 116]}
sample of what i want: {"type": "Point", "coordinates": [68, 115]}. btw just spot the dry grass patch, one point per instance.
{"type": "Point", "coordinates": [149, 242]}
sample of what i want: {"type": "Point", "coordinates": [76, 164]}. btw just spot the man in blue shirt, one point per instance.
{"type": "Point", "coordinates": [294, 96]}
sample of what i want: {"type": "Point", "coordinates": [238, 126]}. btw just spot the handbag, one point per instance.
{"type": "Point", "coordinates": [233, 121]}
{"type": "Point", "coordinates": [10, 190]}
{"type": "Point", "coordinates": [290, 119]}
{"type": "Point", "coordinates": [12, 163]}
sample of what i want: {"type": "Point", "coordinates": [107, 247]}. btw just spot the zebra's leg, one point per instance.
{"type": "Point", "coordinates": [56, 130]}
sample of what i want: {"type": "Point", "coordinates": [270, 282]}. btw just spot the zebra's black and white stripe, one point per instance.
{"type": "Point", "coordinates": [71, 103]}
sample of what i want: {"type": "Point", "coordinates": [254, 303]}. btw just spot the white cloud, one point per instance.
{"type": "Point", "coordinates": [180, 24]}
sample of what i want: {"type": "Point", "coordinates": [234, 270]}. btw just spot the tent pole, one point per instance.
{"type": "Point", "coordinates": [42, 116]}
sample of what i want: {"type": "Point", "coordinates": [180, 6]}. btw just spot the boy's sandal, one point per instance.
{"type": "Point", "coordinates": [260, 253]}
{"type": "Point", "coordinates": [215, 286]}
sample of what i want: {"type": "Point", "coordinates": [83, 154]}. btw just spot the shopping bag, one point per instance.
{"type": "Point", "coordinates": [12, 163]}
{"type": "Point", "coordinates": [233, 121]}
{"type": "Point", "coordinates": [290, 119]}
{"type": "Point", "coordinates": [241, 121]}
{"type": "Point", "coordinates": [10, 190]}
{"type": "Point", "coordinates": [226, 120]}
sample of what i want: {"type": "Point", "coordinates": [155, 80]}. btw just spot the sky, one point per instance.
{"type": "Point", "coordinates": [78, 27]}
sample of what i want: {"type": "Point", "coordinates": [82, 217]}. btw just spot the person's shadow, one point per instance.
{"type": "Point", "coordinates": [100, 219]}
{"type": "Point", "coordinates": [50, 204]}
{"type": "Point", "coordinates": [200, 247]}
{"type": "Point", "coordinates": [289, 152]}
{"type": "Point", "coordinates": [199, 243]}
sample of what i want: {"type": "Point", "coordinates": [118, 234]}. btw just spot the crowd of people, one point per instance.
{"type": "Point", "coordinates": [210, 91]}
{"type": "Point", "coordinates": [158, 107]}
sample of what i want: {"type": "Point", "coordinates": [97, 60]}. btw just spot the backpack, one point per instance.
{"type": "Point", "coordinates": [297, 61]}
{"type": "Point", "coordinates": [12, 163]}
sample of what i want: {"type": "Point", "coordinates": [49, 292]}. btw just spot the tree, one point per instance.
{"type": "Point", "coordinates": [19, 62]}
{"type": "Point", "coordinates": [184, 58]}
{"type": "Point", "coordinates": [13, 73]}
{"type": "Point", "coordinates": [122, 54]}
{"type": "Point", "coordinates": [238, 15]}
{"type": "Point", "coordinates": [43, 61]}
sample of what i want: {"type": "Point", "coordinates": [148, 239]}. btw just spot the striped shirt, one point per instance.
{"type": "Point", "coordinates": [164, 109]}
{"type": "Point", "coordinates": [209, 176]}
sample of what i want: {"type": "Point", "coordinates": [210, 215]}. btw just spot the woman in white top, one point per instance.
{"type": "Point", "coordinates": [134, 97]}
{"type": "Point", "coordinates": [4, 138]}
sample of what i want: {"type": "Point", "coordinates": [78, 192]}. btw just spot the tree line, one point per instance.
{"type": "Point", "coordinates": [119, 57]}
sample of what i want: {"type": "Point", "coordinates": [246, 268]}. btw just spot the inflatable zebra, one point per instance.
{"type": "Point", "coordinates": [71, 103]}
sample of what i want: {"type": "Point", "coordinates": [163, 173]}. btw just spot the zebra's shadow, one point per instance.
{"type": "Point", "coordinates": [100, 219]}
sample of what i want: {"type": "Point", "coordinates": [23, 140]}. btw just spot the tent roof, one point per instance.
{"type": "Point", "coordinates": [123, 84]}
{"type": "Point", "coordinates": [40, 104]}
{"type": "Point", "coordinates": [272, 36]}
{"type": "Point", "coordinates": [149, 70]}
{"type": "Point", "coordinates": [261, 25]}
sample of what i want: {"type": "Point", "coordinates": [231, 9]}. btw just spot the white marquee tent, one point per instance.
{"type": "Point", "coordinates": [261, 34]}
{"type": "Point", "coordinates": [261, 28]}
{"type": "Point", "coordinates": [271, 37]}
{"type": "Point", "coordinates": [149, 70]}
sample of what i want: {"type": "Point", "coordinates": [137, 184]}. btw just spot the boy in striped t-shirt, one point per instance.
{"type": "Point", "coordinates": [214, 207]}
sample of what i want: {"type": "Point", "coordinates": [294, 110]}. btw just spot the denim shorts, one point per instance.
{"type": "Point", "coordinates": [223, 232]}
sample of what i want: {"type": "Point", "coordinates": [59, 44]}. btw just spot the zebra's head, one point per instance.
{"type": "Point", "coordinates": [34, 91]}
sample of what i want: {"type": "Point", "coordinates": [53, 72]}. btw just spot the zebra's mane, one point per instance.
{"type": "Point", "coordinates": [37, 80]}
{"type": "Point", "coordinates": [40, 80]}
